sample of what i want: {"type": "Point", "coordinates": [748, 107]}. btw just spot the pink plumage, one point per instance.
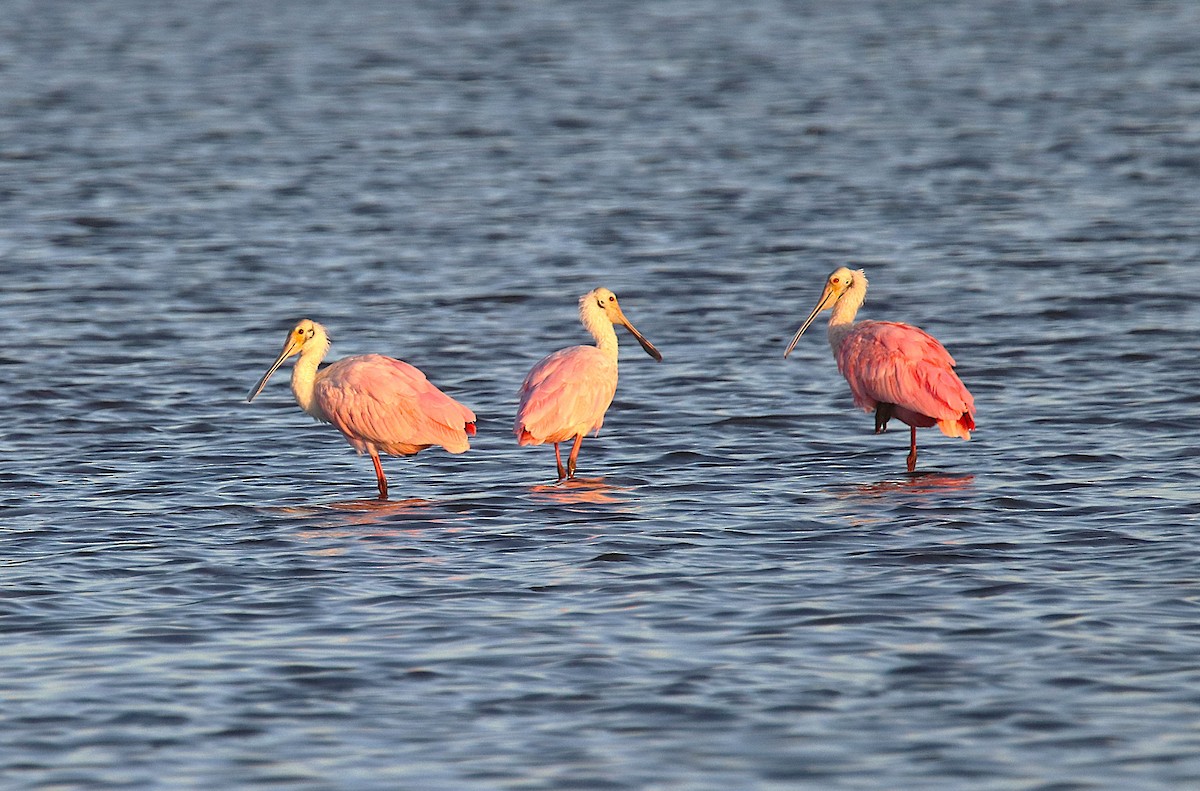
{"type": "Point", "coordinates": [379, 404]}
{"type": "Point", "coordinates": [385, 405]}
{"type": "Point", "coordinates": [892, 363]}
{"type": "Point", "coordinates": [893, 369]}
{"type": "Point", "coordinates": [566, 395]}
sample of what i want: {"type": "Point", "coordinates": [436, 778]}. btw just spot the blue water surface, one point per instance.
{"type": "Point", "coordinates": [745, 590]}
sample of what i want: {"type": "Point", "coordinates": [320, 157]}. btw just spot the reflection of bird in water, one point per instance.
{"type": "Point", "coordinates": [328, 524]}
{"type": "Point", "coordinates": [894, 369]}
{"type": "Point", "coordinates": [577, 490]}
{"type": "Point", "coordinates": [380, 405]}
{"type": "Point", "coordinates": [927, 483]}
{"type": "Point", "coordinates": [566, 395]}
{"type": "Point", "coordinates": [372, 507]}
{"type": "Point", "coordinates": [377, 508]}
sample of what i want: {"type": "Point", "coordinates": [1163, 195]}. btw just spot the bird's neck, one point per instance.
{"type": "Point", "coordinates": [844, 311]}
{"type": "Point", "coordinates": [596, 322]}
{"type": "Point", "coordinates": [304, 376]}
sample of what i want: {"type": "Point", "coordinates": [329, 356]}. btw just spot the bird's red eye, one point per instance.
{"type": "Point", "coordinates": [613, 298]}
{"type": "Point", "coordinates": [835, 280]}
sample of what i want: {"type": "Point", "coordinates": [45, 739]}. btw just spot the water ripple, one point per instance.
{"type": "Point", "coordinates": [744, 589]}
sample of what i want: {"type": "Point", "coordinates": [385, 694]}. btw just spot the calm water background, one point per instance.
{"type": "Point", "coordinates": [748, 592]}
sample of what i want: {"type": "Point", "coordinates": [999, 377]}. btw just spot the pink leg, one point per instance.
{"type": "Point", "coordinates": [912, 449]}
{"type": "Point", "coordinates": [574, 455]}
{"type": "Point", "coordinates": [380, 478]}
{"type": "Point", "coordinates": [558, 460]}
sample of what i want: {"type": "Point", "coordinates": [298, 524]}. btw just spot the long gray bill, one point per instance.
{"type": "Point", "coordinates": [811, 318]}
{"type": "Point", "coordinates": [263, 382]}
{"type": "Point", "coordinates": [647, 346]}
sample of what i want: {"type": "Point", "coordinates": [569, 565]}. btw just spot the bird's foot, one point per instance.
{"type": "Point", "coordinates": [883, 413]}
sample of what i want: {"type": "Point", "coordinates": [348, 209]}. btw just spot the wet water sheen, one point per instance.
{"type": "Point", "coordinates": [745, 590]}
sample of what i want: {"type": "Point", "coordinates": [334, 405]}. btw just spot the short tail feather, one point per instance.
{"type": "Point", "coordinates": [961, 426]}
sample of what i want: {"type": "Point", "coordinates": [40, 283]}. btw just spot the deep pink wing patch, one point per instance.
{"type": "Point", "coordinates": [894, 363]}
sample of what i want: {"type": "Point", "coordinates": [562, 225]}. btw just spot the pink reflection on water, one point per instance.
{"type": "Point", "coordinates": [919, 483]}
{"type": "Point", "coordinates": [577, 490]}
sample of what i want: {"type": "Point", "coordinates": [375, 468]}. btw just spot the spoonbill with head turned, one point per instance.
{"type": "Point", "coordinates": [566, 395]}
{"type": "Point", "coordinates": [380, 405]}
{"type": "Point", "coordinates": [894, 369]}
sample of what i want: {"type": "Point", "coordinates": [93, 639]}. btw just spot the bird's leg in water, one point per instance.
{"type": "Point", "coordinates": [562, 473]}
{"type": "Point", "coordinates": [379, 476]}
{"type": "Point", "coordinates": [912, 449]}
{"type": "Point", "coordinates": [574, 455]}
{"type": "Point", "coordinates": [883, 413]}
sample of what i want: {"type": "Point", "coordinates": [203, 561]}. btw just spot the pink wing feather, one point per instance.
{"type": "Point", "coordinates": [888, 362]}
{"type": "Point", "coordinates": [564, 395]}
{"type": "Point", "coordinates": [382, 404]}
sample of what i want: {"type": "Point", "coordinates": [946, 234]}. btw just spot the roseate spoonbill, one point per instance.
{"type": "Point", "coordinates": [566, 395]}
{"type": "Point", "coordinates": [895, 369]}
{"type": "Point", "coordinates": [379, 404]}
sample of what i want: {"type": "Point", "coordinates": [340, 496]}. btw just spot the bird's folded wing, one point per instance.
{"type": "Point", "coordinates": [565, 394]}
{"type": "Point", "coordinates": [388, 402]}
{"type": "Point", "coordinates": [900, 364]}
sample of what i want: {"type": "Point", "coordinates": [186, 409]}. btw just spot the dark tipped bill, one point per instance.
{"type": "Point", "coordinates": [825, 295]}
{"type": "Point", "coordinates": [289, 349]}
{"type": "Point", "coordinates": [647, 346]}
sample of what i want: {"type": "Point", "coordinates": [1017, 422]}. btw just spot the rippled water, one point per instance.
{"type": "Point", "coordinates": [746, 591]}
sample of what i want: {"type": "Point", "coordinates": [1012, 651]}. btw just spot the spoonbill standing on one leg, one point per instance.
{"type": "Point", "coordinates": [379, 404]}
{"type": "Point", "coordinates": [566, 395]}
{"type": "Point", "coordinates": [895, 369]}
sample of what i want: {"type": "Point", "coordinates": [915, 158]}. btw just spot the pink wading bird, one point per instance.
{"type": "Point", "coordinates": [566, 395]}
{"type": "Point", "coordinates": [379, 404]}
{"type": "Point", "coordinates": [895, 369]}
